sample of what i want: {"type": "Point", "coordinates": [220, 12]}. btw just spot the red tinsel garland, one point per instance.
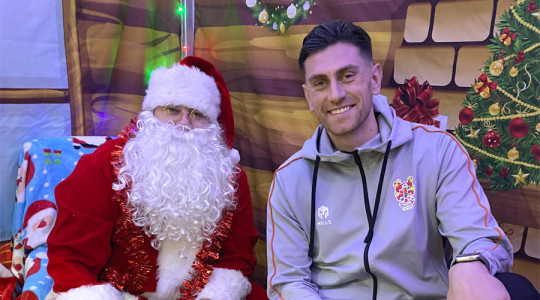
{"type": "Point", "coordinates": [127, 233]}
{"type": "Point", "coordinates": [207, 256]}
{"type": "Point", "coordinates": [413, 102]}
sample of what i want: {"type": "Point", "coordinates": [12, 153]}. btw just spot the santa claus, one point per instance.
{"type": "Point", "coordinates": [164, 211]}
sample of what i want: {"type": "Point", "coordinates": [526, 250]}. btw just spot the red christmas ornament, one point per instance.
{"type": "Point", "coordinates": [520, 57]}
{"type": "Point", "coordinates": [504, 172]}
{"type": "Point", "coordinates": [518, 128]}
{"type": "Point", "coordinates": [492, 139]}
{"type": "Point", "coordinates": [532, 7]}
{"type": "Point", "coordinates": [488, 171]}
{"type": "Point", "coordinates": [466, 116]}
{"type": "Point", "coordinates": [536, 152]}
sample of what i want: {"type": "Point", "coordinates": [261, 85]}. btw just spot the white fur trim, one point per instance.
{"type": "Point", "coordinates": [173, 268]}
{"type": "Point", "coordinates": [95, 292]}
{"type": "Point", "coordinates": [51, 295]}
{"type": "Point", "coordinates": [127, 296]}
{"type": "Point", "coordinates": [183, 85]}
{"type": "Point", "coordinates": [226, 284]}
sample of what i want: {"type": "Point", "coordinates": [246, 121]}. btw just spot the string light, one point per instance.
{"type": "Point", "coordinates": [180, 9]}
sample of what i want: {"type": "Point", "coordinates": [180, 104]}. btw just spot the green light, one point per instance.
{"type": "Point", "coordinates": [180, 9]}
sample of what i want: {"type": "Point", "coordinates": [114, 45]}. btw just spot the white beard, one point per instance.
{"type": "Point", "coordinates": [179, 180]}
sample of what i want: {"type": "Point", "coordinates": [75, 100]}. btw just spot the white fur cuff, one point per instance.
{"type": "Point", "coordinates": [225, 284]}
{"type": "Point", "coordinates": [95, 292]}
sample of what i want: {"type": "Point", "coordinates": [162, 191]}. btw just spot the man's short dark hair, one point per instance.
{"type": "Point", "coordinates": [332, 32]}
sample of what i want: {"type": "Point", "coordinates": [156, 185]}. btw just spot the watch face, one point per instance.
{"type": "Point", "coordinates": [471, 257]}
{"type": "Point", "coordinates": [465, 258]}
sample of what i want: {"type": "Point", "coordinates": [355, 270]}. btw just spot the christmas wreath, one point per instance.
{"type": "Point", "coordinates": [279, 18]}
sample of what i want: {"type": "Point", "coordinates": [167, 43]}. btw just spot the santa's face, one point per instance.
{"type": "Point", "coordinates": [38, 228]}
{"type": "Point", "coordinates": [181, 179]}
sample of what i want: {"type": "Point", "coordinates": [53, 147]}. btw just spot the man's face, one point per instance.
{"type": "Point", "coordinates": [181, 115]}
{"type": "Point", "coordinates": [339, 87]}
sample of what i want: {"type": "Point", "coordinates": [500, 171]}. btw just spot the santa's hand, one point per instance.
{"type": "Point", "coordinates": [472, 280]}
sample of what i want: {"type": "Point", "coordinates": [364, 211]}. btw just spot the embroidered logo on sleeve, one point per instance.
{"type": "Point", "coordinates": [323, 213]}
{"type": "Point", "coordinates": [404, 192]}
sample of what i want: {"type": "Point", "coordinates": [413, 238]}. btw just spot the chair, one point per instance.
{"type": "Point", "coordinates": [43, 163]}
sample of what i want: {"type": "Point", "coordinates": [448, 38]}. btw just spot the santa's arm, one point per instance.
{"type": "Point", "coordinates": [79, 244]}
{"type": "Point", "coordinates": [236, 262]}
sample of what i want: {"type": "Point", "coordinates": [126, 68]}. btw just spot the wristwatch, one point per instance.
{"type": "Point", "coordinates": [467, 257]}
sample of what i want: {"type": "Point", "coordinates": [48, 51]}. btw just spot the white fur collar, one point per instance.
{"type": "Point", "coordinates": [173, 268]}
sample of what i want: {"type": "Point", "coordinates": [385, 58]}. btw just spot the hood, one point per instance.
{"type": "Point", "coordinates": [391, 128]}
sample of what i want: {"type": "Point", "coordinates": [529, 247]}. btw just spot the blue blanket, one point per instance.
{"type": "Point", "coordinates": [43, 163]}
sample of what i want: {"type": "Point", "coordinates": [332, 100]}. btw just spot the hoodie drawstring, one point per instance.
{"type": "Point", "coordinates": [313, 190]}
{"type": "Point", "coordinates": [371, 217]}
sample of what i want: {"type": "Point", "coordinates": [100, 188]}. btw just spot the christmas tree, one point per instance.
{"type": "Point", "coordinates": [500, 118]}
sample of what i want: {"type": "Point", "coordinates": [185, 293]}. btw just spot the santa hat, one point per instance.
{"type": "Point", "coordinates": [33, 211]}
{"type": "Point", "coordinates": [194, 83]}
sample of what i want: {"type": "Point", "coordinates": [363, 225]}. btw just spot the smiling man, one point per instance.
{"type": "Point", "coordinates": [363, 209]}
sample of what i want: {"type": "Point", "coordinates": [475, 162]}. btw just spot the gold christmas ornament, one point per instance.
{"type": "Point", "coordinates": [263, 16]}
{"type": "Point", "coordinates": [494, 109]}
{"type": "Point", "coordinates": [538, 127]}
{"type": "Point", "coordinates": [282, 28]}
{"type": "Point", "coordinates": [513, 71]}
{"type": "Point", "coordinates": [485, 93]}
{"type": "Point", "coordinates": [513, 153]}
{"type": "Point", "coordinates": [480, 87]}
{"type": "Point", "coordinates": [496, 68]}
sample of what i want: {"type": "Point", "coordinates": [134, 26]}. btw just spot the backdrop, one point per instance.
{"type": "Point", "coordinates": [112, 45]}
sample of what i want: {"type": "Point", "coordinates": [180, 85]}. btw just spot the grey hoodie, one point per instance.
{"type": "Point", "coordinates": [390, 250]}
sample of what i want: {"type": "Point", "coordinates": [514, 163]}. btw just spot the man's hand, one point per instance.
{"type": "Point", "coordinates": [472, 280]}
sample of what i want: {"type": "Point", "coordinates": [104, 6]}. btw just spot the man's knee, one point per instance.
{"type": "Point", "coordinates": [518, 286]}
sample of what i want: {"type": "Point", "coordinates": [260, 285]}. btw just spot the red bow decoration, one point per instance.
{"type": "Point", "coordinates": [413, 102]}
{"type": "Point", "coordinates": [484, 79]}
{"type": "Point", "coordinates": [506, 37]}
{"type": "Point", "coordinates": [484, 85]}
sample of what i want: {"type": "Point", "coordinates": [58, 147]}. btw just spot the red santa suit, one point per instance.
{"type": "Point", "coordinates": [95, 246]}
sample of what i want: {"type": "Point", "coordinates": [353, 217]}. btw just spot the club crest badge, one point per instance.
{"type": "Point", "coordinates": [404, 192]}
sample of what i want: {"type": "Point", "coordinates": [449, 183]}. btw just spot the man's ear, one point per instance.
{"type": "Point", "coordinates": [376, 78]}
{"type": "Point", "coordinates": [306, 95]}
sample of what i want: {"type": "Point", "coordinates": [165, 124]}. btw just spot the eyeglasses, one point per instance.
{"type": "Point", "coordinates": [193, 114]}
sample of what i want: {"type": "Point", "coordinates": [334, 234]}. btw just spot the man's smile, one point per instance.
{"type": "Point", "coordinates": [340, 110]}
